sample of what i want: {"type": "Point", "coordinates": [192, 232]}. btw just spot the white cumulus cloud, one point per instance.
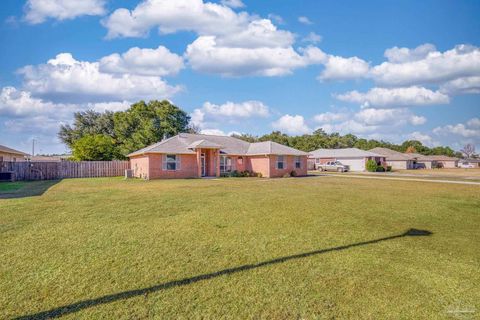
{"type": "Point", "coordinates": [37, 11]}
{"type": "Point", "coordinates": [305, 20]}
{"type": "Point", "coordinates": [65, 77]}
{"type": "Point", "coordinates": [147, 62]}
{"type": "Point", "coordinates": [204, 18]}
{"type": "Point", "coordinates": [233, 3]}
{"type": "Point", "coordinates": [424, 65]}
{"type": "Point", "coordinates": [312, 37]}
{"type": "Point", "coordinates": [395, 97]}
{"type": "Point", "coordinates": [340, 68]}
{"type": "Point", "coordinates": [291, 124]}
{"type": "Point", "coordinates": [206, 55]}
{"type": "Point", "coordinates": [213, 114]}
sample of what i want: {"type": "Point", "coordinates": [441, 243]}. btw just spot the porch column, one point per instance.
{"type": "Point", "coordinates": [199, 163]}
{"type": "Point", "coordinates": [217, 167]}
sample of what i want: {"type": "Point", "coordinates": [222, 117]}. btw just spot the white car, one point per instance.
{"type": "Point", "coordinates": [465, 165]}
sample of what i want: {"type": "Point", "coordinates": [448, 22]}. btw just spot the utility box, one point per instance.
{"type": "Point", "coordinates": [128, 173]}
{"type": "Point", "coordinates": [7, 176]}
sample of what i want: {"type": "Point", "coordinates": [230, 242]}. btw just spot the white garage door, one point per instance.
{"type": "Point", "coordinates": [355, 164]}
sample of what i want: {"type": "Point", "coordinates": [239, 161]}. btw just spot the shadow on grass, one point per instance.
{"type": "Point", "coordinates": [77, 306]}
{"type": "Point", "coordinates": [25, 188]}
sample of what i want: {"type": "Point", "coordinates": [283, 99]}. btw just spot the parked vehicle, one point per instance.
{"type": "Point", "coordinates": [333, 166]}
{"type": "Point", "coordinates": [466, 165]}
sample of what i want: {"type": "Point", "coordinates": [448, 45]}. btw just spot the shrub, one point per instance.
{"type": "Point", "coordinates": [245, 173]}
{"type": "Point", "coordinates": [286, 175]}
{"type": "Point", "coordinates": [293, 173]}
{"type": "Point", "coordinates": [380, 169]}
{"type": "Point", "coordinates": [389, 168]}
{"type": "Point", "coordinates": [371, 165]}
{"type": "Point", "coordinates": [259, 175]}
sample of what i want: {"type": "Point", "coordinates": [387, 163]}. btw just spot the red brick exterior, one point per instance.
{"type": "Point", "coordinates": [150, 166]}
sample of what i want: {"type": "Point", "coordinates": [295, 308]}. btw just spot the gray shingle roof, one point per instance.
{"type": "Point", "coordinates": [422, 157]}
{"type": "Point", "coordinates": [10, 150]}
{"type": "Point", "coordinates": [270, 147]}
{"type": "Point", "coordinates": [392, 154]}
{"type": "Point", "coordinates": [184, 143]}
{"type": "Point", "coordinates": [342, 153]}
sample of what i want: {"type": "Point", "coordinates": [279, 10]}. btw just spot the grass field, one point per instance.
{"type": "Point", "coordinates": [298, 248]}
{"type": "Point", "coordinates": [473, 173]}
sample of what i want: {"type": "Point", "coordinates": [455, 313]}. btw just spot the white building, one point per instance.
{"type": "Point", "coordinates": [352, 157]}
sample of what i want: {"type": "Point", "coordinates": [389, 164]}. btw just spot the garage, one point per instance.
{"type": "Point", "coordinates": [352, 157]}
{"type": "Point", "coordinates": [355, 164]}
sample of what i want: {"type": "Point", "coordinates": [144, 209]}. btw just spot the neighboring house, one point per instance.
{"type": "Point", "coordinates": [435, 161]}
{"type": "Point", "coordinates": [56, 158]}
{"type": "Point", "coordinates": [474, 162]}
{"type": "Point", "coordinates": [395, 159]}
{"type": "Point", "coordinates": [354, 158]}
{"type": "Point", "coordinates": [197, 155]}
{"type": "Point", "coordinates": [444, 162]}
{"type": "Point", "coordinates": [9, 154]}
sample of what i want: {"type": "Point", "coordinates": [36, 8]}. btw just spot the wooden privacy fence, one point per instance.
{"type": "Point", "coordinates": [64, 169]}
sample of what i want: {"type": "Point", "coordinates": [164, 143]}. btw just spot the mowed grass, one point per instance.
{"type": "Point", "coordinates": [85, 244]}
{"type": "Point", "coordinates": [470, 173]}
{"type": "Point", "coordinates": [11, 186]}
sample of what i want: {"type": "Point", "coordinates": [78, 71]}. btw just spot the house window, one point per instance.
{"type": "Point", "coordinates": [225, 164]}
{"type": "Point", "coordinates": [171, 162]}
{"type": "Point", "coordinates": [240, 160]}
{"type": "Point", "coordinates": [298, 163]}
{"type": "Point", "coordinates": [280, 162]}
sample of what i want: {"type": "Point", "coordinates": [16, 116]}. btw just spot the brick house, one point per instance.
{"type": "Point", "coordinates": [197, 155]}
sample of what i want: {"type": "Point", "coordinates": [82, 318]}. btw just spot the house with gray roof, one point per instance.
{"type": "Point", "coordinates": [198, 155]}
{"type": "Point", "coordinates": [395, 159]}
{"type": "Point", "coordinates": [433, 161]}
{"type": "Point", "coordinates": [354, 158]}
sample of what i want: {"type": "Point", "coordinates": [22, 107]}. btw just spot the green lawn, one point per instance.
{"type": "Point", "coordinates": [10, 186]}
{"type": "Point", "coordinates": [299, 248]}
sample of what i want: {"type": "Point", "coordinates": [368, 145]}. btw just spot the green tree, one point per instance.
{"type": "Point", "coordinates": [139, 126]}
{"type": "Point", "coordinates": [85, 123]}
{"type": "Point", "coordinates": [146, 123]}
{"type": "Point", "coordinates": [92, 147]}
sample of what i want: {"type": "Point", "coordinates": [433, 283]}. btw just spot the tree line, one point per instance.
{"type": "Point", "coordinates": [113, 135]}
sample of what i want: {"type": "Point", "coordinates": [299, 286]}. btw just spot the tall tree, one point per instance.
{"type": "Point", "coordinates": [141, 125]}
{"type": "Point", "coordinates": [87, 122]}
{"type": "Point", "coordinates": [468, 150]}
{"type": "Point", "coordinates": [147, 123]}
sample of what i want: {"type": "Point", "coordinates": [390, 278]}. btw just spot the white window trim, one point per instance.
{"type": "Point", "coordinates": [299, 161]}
{"type": "Point", "coordinates": [225, 158]}
{"type": "Point", "coordinates": [166, 161]}
{"type": "Point", "coordinates": [282, 162]}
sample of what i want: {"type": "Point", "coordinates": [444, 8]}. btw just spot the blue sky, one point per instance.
{"type": "Point", "coordinates": [378, 69]}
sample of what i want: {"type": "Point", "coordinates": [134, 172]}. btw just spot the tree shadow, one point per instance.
{"type": "Point", "coordinates": [25, 188]}
{"type": "Point", "coordinates": [78, 306]}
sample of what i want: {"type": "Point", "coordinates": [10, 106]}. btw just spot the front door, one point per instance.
{"type": "Point", "coordinates": [204, 169]}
